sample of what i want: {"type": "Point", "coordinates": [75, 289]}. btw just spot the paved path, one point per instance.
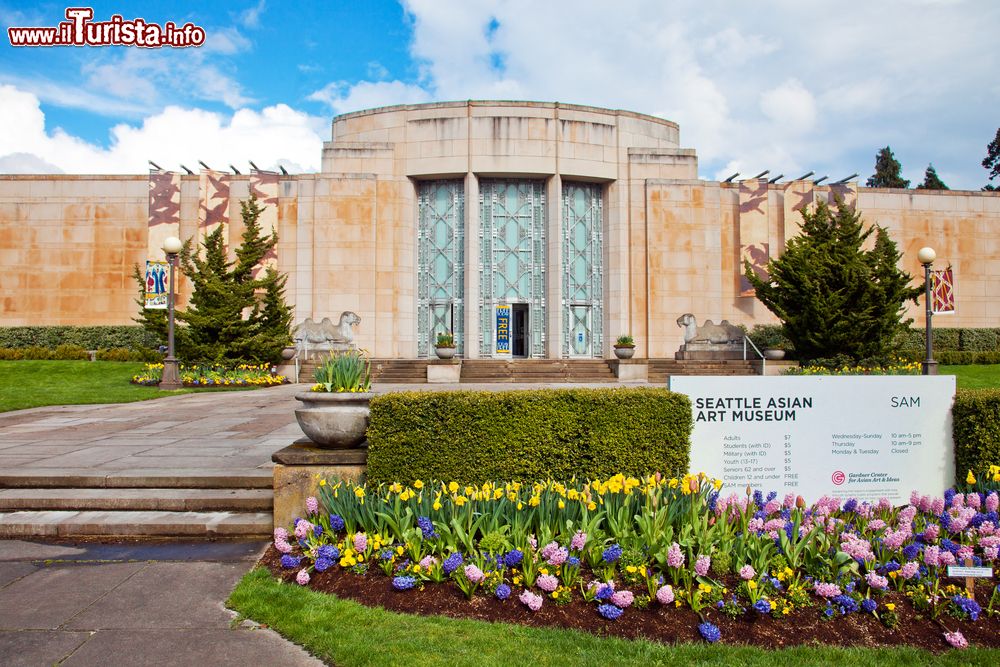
{"type": "Point", "coordinates": [142, 604]}
{"type": "Point", "coordinates": [226, 432]}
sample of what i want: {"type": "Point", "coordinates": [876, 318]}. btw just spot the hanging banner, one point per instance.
{"type": "Point", "coordinates": [264, 186]}
{"type": "Point", "coordinates": [156, 284]}
{"type": "Point", "coordinates": [503, 329]}
{"type": "Point", "coordinates": [164, 210]}
{"type": "Point", "coordinates": [943, 292]}
{"type": "Point", "coordinates": [213, 208]}
{"type": "Point", "coordinates": [754, 247]}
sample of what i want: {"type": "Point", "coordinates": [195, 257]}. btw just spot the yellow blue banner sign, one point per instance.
{"type": "Point", "coordinates": [156, 285]}
{"type": "Point", "coordinates": [503, 329]}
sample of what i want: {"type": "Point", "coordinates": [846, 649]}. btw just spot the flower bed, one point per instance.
{"type": "Point", "coordinates": [244, 375]}
{"type": "Point", "coordinates": [669, 559]}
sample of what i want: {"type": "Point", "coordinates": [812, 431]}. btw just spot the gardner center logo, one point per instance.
{"type": "Point", "coordinates": [838, 477]}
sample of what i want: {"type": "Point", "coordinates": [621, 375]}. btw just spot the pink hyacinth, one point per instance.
{"type": "Point", "coordinates": [548, 582]}
{"type": "Point", "coordinates": [428, 562]}
{"type": "Point", "coordinates": [675, 558]}
{"type": "Point", "coordinates": [986, 528]}
{"type": "Point", "coordinates": [974, 501]}
{"type": "Point", "coordinates": [282, 546]}
{"type": "Point", "coordinates": [622, 599]}
{"type": "Point", "coordinates": [579, 541]}
{"type": "Point", "coordinates": [312, 505]}
{"type": "Point", "coordinates": [876, 525]}
{"type": "Point", "coordinates": [877, 581]}
{"type": "Point", "coordinates": [906, 516]}
{"type": "Point", "coordinates": [474, 574]}
{"type": "Point", "coordinates": [992, 502]}
{"type": "Point", "coordinates": [772, 507]}
{"type": "Point", "coordinates": [747, 572]}
{"type": "Point", "coordinates": [302, 578]}
{"type": "Point", "coordinates": [931, 556]}
{"type": "Point", "coordinates": [958, 500]}
{"type": "Point", "coordinates": [756, 525]}
{"type": "Point", "coordinates": [665, 594]}
{"type": "Point", "coordinates": [884, 503]}
{"type": "Point", "coordinates": [701, 565]}
{"type": "Point", "coordinates": [946, 558]}
{"type": "Point", "coordinates": [825, 590]}
{"type": "Point", "coordinates": [894, 539]}
{"type": "Point", "coordinates": [964, 553]}
{"type": "Point", "coordinates": [531, 600]}
{"type": "Point", "coordinates": [280, 534]}
{"type": "Point", "coordinates": [302, 529]}
{"type": "Point", "coordinates": [360, 542]}
{"type": "Point", "coordinates": [789, 501]}
{"type": "Point", "coordinates": [956, 639]}
{"type": "Point", "coordinates": [533, 541]}
{"type": "Point", "coordinates": [548, 549]}
{"type": "Point", "coordinates": [909, 570]}
{"type": "Point", "coordinates": [990, 553]}
{"type": "Point", "coordinates": [558, 557]}
{"type": "Point", "coordinates": [931, 532]}
{"type": "Point", "coordinates": [937, 505]}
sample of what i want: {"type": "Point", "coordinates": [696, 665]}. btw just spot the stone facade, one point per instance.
{"type": "Point", "coordinates": [350, 236]}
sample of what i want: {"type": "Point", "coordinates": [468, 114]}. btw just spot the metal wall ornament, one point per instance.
{"type": "Point", "coordinates": [582, 269]}
{"type": "Point", "coordinates": [440, 263]}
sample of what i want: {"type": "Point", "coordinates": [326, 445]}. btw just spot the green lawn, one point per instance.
{"type": "Point", "coordinates": [345, 633]}
{"type": "Point", "coordinates": [974, 376]}
{"type": "Point", "coordinates": [31, 384]}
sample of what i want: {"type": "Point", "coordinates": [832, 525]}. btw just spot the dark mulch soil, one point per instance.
{"type": "Point", "coordinates": [657, 623]}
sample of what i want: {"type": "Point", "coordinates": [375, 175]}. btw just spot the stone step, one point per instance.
{"type": "Point", "coordinates": [153, 478]}
{"type": "Point", "coordinates": [149, 499]}
{"type": "Point", "coordinates": [135, 524]}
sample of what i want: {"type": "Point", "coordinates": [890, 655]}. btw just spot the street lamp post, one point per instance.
{"type": "Point", "coordinates": [927, 256]}
{"type": "Point", "coordinates": [171, 378]}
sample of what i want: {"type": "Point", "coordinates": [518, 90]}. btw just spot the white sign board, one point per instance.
{"type": "Point", "coordinates": [958, 572]}
{"type": "Point", "coordinates": [861, 437]}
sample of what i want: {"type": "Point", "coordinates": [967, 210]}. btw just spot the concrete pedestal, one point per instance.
{"type": "Point", "coordinates": [298, 469]}
{"type": "Point", "coordinates": [630, 370]}
{"type": "Point", "coordinates": [444, 371]}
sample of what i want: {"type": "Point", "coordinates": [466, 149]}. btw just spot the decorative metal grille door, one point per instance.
{"type": "Point", "coordinates": [440, 263]}
{"type": "Point", "coordinates": [512, 256]}
{"type": "Point", "coordinates": [582, 264]}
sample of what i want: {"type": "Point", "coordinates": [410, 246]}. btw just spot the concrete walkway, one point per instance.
{"type": "Point", "coordinates": [140, 604]}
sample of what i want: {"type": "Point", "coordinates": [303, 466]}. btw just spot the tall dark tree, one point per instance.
{"type": "Point", "coordinates": [887, 171]}
{"type": "Point", "coordinates": [231, 315]}
{"type": "Point", "coordinates": [992, 160]}
{"type": "Point", "coordinates": [932, 181]}
{"type": "Point", "coordinates": [833, 296]}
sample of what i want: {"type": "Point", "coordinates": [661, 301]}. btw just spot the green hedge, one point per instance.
{"type": "Point", "coordinates": [976, 429]}
{"type": "Point", "coordinates": [89, 338]}
{"type": "Point", "coordinates": [949, 358]}
{"type": "Point", "coordinates": [951, 340]}
{"type": "Point", "coordinates": [75, 352]}
{"type": "Point", "coordinates": [473, 437]}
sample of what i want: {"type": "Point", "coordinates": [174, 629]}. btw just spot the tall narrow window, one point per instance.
{"type": "Point", "coordinates": [582, 264]}
{"type": "Point", "coordinates": [440, 263]}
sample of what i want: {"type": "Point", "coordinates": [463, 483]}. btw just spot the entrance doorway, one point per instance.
{"type": "Point", "coordinates": [519, 344]}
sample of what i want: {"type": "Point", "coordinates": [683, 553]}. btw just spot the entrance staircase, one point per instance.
{"type": "Point", "coordinates": [191, 504]}
{"type": "Point", "coordinates": [537, 370]}
{"type": "Point", "coordinates": [661, 369]}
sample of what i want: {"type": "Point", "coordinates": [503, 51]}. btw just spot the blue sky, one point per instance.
{"type": "Point", "coordinates": [786, 86]}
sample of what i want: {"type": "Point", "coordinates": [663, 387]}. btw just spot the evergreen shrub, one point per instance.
{"type": "Point", "coordinates": [976, 430]}
{"type": "Point", "coordinates": [473, 437]}
{"type": "Point", "coordinates": [89, 338]}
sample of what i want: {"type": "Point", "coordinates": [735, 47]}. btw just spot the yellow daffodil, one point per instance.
{"type": "Point", "coordinates": [452, 487]}
{"type": "Point", "coordinates": [890, 606]}
{"type": "Point", "coordinates": [460, 500]}
{"type": "Point", "coordinates": [970, 478]}
{"type": "Point", "coordinates": [418, 485]}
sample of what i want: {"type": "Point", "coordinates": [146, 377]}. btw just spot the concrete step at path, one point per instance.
{"type": "Point", "coordinates": [135, 524]}
{"type": "Point", "coordinates": [148, 499]}
{"type": "Point", "coordinates": [153, 478]}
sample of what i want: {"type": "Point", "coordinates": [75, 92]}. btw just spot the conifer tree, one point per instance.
{"type": "Point", "coordinates": [932, 181]}
{"type": "Point", "coordinates": [833, 296]}
{"type": "Point", "coordinates": [992, 160]}
{"type": "Point", "coordinates": [887, 171]}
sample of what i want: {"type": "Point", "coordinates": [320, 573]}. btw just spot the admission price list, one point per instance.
{"type": "Point", "coordinates": [758, 463]}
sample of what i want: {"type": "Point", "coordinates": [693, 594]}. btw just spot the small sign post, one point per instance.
{"type": "Point", "coordinates": [971, 574]}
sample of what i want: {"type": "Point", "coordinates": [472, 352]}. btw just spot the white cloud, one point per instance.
{"type": "Point", "coordinates": [342, 98]}
{"type": "Point", "coordinates": [275, 135]}
{"type": "Point", "coordinates": [790, 106]}
{"type": "Point", "coordinates": [250, 18]}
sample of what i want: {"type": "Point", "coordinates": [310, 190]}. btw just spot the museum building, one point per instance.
{"type": "Point", "coordinates": [567, 225]}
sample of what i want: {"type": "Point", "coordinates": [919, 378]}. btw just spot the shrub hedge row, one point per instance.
{"type": "Point", "coordinates": [950, 358]}
{"type": "Point", "coordinates": [89, 338]}
{"type": "Point", "coordinates": [952, 340]}
{"type": "Point", "coordinates": [473, 437]}
{"type": "Point", "coordinates": [976, 430]}
{"type": "Point", "coordinates": [75, 352]}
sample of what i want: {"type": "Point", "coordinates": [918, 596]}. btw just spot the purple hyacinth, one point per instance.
{"type": "Point", "coordinates": [502, 592]}
{"type": "Point", "coordinates": [513, 558]}
{"type": "Point", "coordinates": [451, 563]}
{"type": "Point", "coordinates": [609, 611]}
{"type": "Point", "coordinates": [322, 564]}
{"type": "Point", "coordinates": [709, 632]}
{"type": "Point", "coordinates": [869, 605]}
{"type": "Point", "coordinates": [604, 592]}
{"type": "Point", "coordinates": [336, 523]}
{"type": "Point", "coordinates": [612, 553]}
{"type": "Point", "coordinates": [763, 606]}
{"type": "Point", "coordinates": [329, 551]}
{"type": "Point", "coordinates": [403, 583]}
{"type": "Point", "coordinates": [288, 561]}
{"type": "Point", "coordinates": [426, 527]}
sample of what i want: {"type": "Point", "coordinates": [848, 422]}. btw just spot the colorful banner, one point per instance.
{"type": "Point", "coordinates": [503, 329]}
{"type": "Point", "coordinates": [213, 207]}
{"type": "Point", "coordinates": [943, 292]}
{"type": "Point", "coordinates": [264, 186]}
{"type": "Point", "coordinates": [164, 210]}
{"type": "Point", "coordinates": [754, 246]}
{"type": "Point", "coordinates": [157, 274]}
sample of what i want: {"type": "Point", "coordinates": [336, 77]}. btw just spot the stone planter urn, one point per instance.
{"type": "Point", "coordinates": [288, 353]}
{"type": "Point", "coordinates": [334, 420]}
{"type": "Point", "coordinates": [624, 352]}
{"type": "Point", "coordinates": [772, 354]}
{"type": "Point", "coordinates": [445, 352]}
